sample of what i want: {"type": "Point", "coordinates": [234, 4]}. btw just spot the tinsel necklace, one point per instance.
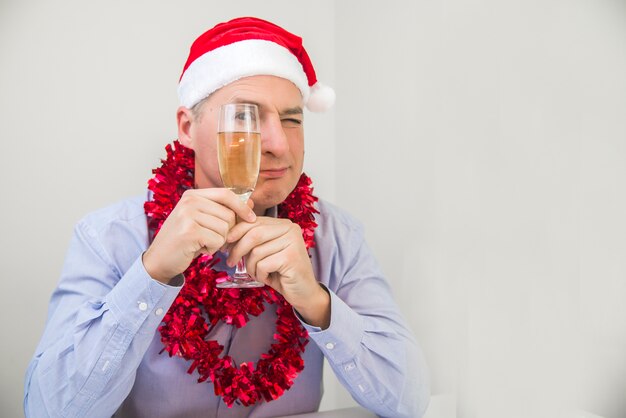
{"type": "Point", "coordinates": [200, 305]}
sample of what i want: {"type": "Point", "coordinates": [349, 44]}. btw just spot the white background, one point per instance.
{"type": "Point", "coordinates": [482, 143]}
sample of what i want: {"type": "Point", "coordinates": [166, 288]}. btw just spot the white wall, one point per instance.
{"type": "Point", "coordinates": [481, 142]}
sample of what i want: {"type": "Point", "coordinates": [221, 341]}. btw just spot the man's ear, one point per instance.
{"type": "Point", "coordinates": [184, 120]}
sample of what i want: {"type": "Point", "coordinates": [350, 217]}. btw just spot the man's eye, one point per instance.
{"type": "Point", "coordinates": [244, 116]}
{"type": "Point", "coordinates": [294, 121]}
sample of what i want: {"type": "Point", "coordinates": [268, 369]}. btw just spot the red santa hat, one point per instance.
{"type": "Point", "coordinates": [245, 47]}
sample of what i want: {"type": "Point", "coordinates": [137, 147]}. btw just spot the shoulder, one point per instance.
{"type": "Point", "coordinates": [334, 220]}
{"type": "Point", "coordinates": [128, 211]}
{"type": "Point", "coordinates": [118, 233]}
{"type": "Point", "coordinates": [339, 247]}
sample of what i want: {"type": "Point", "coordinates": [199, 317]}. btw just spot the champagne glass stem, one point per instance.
{"type": "Point", "coordinates": [240, 271]}
{"type": "Point", "coordinates": [241, 278]}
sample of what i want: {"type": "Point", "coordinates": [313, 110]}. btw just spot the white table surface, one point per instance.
{"type": "Point", "coordinates": [355, 412]}
{"type": "Point", "coordinates": [439, 407]}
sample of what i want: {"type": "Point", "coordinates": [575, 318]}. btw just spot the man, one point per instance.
{"type": "Point", "coordinates": [136, 326]}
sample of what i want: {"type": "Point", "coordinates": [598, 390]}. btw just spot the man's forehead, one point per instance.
{"type": "Point", "coordinates": [267, 92]}
{"type": "Point", "coordinates": [285, 109]}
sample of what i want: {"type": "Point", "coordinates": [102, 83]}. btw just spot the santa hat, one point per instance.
{"type": "Point", "coordinates": [245, 47]}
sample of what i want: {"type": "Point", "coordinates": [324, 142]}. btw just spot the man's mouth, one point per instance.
{"type": "Point", "coordinates": [273, 173]}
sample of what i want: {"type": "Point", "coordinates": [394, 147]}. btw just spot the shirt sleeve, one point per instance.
{"type": "Point", "coordinates": [368, 344]}
{"type": "Point", "coordinates": [100, 323]}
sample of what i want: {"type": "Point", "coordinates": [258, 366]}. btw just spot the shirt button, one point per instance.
{"type": "Point", "coordinates": [159, 311]}
{"type": "Point", "coordinates": [143, 306]}
{"type": "Point", "coordinates": [330, 346]}
{"type": "Point", "coordinates": [349, 367]}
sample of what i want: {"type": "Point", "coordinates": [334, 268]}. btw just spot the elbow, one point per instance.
{"type": "Point", "coordinates": [413, 403]}
{"type": "Point", "coordinates": [44, 396]}
{"type": "Point", "coordinates": [33, 405]}
{"type": "Point", "coordinates": [29, 387]}
{"type": "Point", "coordinates": [422, 401]}
{"type": "Point", "coordinates": [416, 400]}
{"type": "Point", "coordinates": [414, 406]}
{"type": "Point", "coordinates": [423, 390]}
{"type": "Point", "coordinates": [421, 377]}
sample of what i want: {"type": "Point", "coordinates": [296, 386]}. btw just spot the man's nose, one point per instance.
{"type": "Point", "coordinates": [273, 138]}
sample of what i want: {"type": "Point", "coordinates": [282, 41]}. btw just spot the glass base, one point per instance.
{"type": "Point", "coordinates": [244, 281]}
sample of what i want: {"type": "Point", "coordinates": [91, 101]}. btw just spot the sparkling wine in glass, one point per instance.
{"type": "Point", "coordinates": [239, 159]}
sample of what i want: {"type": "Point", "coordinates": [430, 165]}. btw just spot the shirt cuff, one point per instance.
{"type": "Point", "coordinates": [138, 301]}
{"type": "Point", "coordinates": [341, 340]}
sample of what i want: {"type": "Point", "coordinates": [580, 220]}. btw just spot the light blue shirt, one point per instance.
{"type": "Point", "coordinates": [99, 354]}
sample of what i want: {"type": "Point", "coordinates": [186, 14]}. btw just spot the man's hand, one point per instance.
{"type": "Point", "coordinates": [276, 255]}
{"type": "Point", "coordinates": [198, 225]}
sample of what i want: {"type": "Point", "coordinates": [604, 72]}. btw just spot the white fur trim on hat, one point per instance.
{"type": "Point", "coordinates": [223, 65]}
{"type": "Point", "coordinates": [321, 98]}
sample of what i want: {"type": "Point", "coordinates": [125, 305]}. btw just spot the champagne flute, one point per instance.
{"type": "Point", "coordinates": [239, 159]}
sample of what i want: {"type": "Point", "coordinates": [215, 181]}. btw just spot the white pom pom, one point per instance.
{"type": "Point", "coordinates": [321, 98]}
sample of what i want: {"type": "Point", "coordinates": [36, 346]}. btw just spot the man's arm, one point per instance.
{"type": "Point", "coordinates": [368, 344]}
{"type": "Point", "coordinates": [99, 326]}
{"type": "Point", "coordinates": [358, 326]}
{"type": "Point", "coordinates": [102, 320]}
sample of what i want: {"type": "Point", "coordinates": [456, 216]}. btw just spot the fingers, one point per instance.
{"type": "Point", "coordinates": [205, 208]}
{"type": "Point", "coordinates": [218, 218]}
{"type": "Point", "coordinates": [249, 236]}
{"type": "Point", "coordinates": [264, 270]}
{"type": "Point", "coordinates": [206, 241]}
{"type": "Point", "coordinates": [215, 225]}
{"type": "Point", "coordinates": [242, 228]}
{"type": "Point", "coordinates": [239, 231]}
{"type": "Point", "coordinates": [198, 224]}
{"type": "Point", "coordinates": [260, 261]}
{"type": "Point", "coordinates": [197, 219]}
{"type": "Point", "coordinates": [223, 197]}
{"type": "Point", "coordinates": [275, 255]}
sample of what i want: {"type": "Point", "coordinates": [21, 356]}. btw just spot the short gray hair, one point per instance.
{"type": "Point", "coordinates": [196, 110]}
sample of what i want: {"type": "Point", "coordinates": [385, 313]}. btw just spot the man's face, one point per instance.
{"type": "Point", "coordinates": [282, 136]}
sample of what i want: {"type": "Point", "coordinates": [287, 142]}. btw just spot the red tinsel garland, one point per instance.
{"type": "Point", "coordinates": [200, 305]}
